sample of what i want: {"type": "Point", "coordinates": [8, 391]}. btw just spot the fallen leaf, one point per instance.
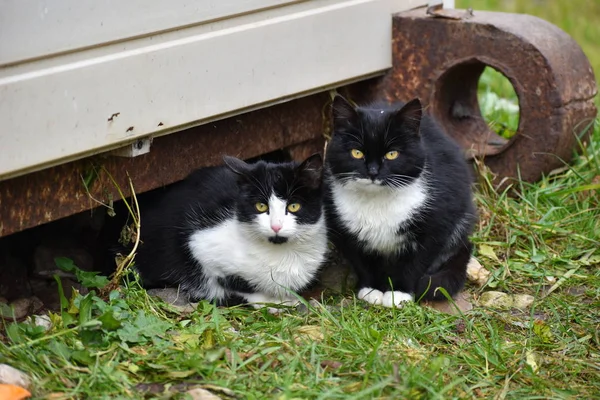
{"type": "Point", "coordinates": [219, 389]}
{"type": "Point", "coordinates": [180, 374]}
{"type": "Point", "coordinates": [202, 394]}
{"type": "Point", "coordinates": [532, 360]}
{"type": "Point", "coordinates": [13, 392]}
{"type": "Point", "coordinates": [542, 331]}
{"type": "Point", "coordinates": [311, 332]}
{"type": "Point", "coordinates": [330, 364]}
{"type": "Point", "coordinates": [57, 396]}
{"type": "Point", "coordinates": [352, 387]}
{"type": "Point", "coordinates": [488, 251]}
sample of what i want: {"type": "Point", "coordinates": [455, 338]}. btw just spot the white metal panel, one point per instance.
{"type": "Point", "coordinates": [38, 28]}
{"type": "Point", "coordinates": [54, 111]}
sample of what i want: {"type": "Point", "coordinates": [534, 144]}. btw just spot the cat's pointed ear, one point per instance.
{"type": "Point", "coordinates": [344, 113]}
{"type": "Point", "coordinates": [236, 165]}
{"type": "Point", "coordinates": [310, 172]}
{"type": "Point", "coordinates": [408, 118]}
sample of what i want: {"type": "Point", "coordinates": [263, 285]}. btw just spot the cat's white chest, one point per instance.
{"type": "Point", "coordinates": [226, 250]}
{"type": "Point", "coordinates": [374, 213]}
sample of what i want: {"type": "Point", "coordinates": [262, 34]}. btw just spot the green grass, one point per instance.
{"type": "Point", "coordinates": [544, 242]}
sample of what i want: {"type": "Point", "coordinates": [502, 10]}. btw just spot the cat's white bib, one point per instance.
{"type": "Point", "coordinates": [374, 213]}
{"type": "Point", "coordinates": [226, 249]}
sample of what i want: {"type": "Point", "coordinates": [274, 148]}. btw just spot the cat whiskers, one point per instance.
{"type": "Point", "coordinates": [344, 177]}
{"type": "Point", "coordinates": [398, 181]}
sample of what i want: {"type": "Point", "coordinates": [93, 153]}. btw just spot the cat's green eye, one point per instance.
{"type": "Point", "coordinates": [294, 207]}
{"type": "Point", "coordinates": [357, 154]}
{"type": "Point", "coordinates": [261, 207]}
{"type": "Point", "coordinates": [391, 155]}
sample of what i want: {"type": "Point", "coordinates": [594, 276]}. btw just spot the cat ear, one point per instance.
{"type": "Point", "coordinates": [236, 165]}
{"type": "Point", "coordinates": [408, 118]}
{"type": "Point", "coordinates": [310, 172]}
{"type": "Point", "coordinates": [343, 112]}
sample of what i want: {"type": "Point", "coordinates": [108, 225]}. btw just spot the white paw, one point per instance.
{"type": "Point", "coordinates": [395, 299]}
{"type": "Point", "coordinates": [371, 295]}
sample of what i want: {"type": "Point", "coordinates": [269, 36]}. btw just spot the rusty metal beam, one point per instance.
{"type": "Point", "coordinates": [57, 192]}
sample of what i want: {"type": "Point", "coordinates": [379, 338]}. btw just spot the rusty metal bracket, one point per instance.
{"type": "Point", "coordinates": [440, 61]}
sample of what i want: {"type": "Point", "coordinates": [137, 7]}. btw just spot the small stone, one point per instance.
{"type": "Point", "coordinates": [202, 394]}
{"type": "Point", "coordinates": [17, 309]}
{"type": "Point", "coordinates": [44, 255]}
{"type": "Point", "coordinates": [522, 301]}
{"type": "Point", "coordinates": [41, 320]}
{"type": "Point", "coordinates": [12, 376]}
{"type": "Point", "coordinates": [476, 273]}
{"type": "Point", "coordinates": [175, 298]}
{"type": "Point", "coordinates": [47, 290]}
{"type": "Point", "coordinates": [461, 302]}
{"type": "Point", "coordinates": [495, 299]}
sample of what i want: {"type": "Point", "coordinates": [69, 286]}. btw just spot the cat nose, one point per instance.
{"type": "Point", "coordinates": [373, 171]}
{"type": "Point", "coordinates": [276, 227]}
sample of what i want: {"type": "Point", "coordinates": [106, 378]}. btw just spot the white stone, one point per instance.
{"type": "Point", "coordinates": [12, 376]}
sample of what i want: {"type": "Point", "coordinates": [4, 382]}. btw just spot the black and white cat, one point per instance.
{"type": "Point", "coordinates": [399, 202]}
{"type": "Point", "coordinates": [237, 233]}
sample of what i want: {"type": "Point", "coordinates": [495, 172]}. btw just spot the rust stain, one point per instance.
{"type": "Point", "coordinates": [112, 117]}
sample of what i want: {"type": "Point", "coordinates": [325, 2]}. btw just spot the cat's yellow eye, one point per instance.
{"type": "Point", "coordinates": [357, 154]}
{"type": "Point", "coordinates": [391, 155]}
{"type": "Point", "coordinates": [261, 207]}
{"type": "Point", "coordinates": [293, 207]}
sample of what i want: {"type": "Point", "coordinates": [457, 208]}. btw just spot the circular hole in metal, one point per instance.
{"type": "Point", "coordinates": [458, 108]}
{"type": "Point", "coordinates": [498, 103]}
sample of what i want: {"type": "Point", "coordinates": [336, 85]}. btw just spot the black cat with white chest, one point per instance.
{"type": "Point", "coordinates": [238, 232]}
{"type": "Point", "coordinates": [399, 202]}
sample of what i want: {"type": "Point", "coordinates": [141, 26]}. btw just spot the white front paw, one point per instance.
{"type": "Point", "coordinates": [371, 295]}
{"type": "Point", "coordinates": [395, 299]}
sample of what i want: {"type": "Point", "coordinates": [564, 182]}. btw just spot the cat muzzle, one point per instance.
{"type": "Point", "coordinates": [278, 239]}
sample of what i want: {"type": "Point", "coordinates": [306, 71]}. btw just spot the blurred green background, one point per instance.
{"type": "Point", "coordinates": [579, 18]}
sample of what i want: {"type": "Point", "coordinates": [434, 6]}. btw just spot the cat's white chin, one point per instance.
{"type": "Point", "coordinates": [365, 185]}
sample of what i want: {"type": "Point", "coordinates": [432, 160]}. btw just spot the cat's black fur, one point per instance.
{"type": "Point", "coordinates": [205, 199]}
{"type": "Point", "coordinates": [437, 233]}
